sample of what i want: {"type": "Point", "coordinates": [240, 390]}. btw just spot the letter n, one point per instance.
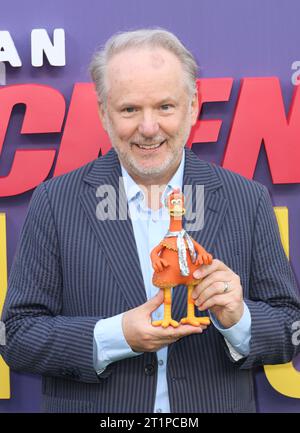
{"type": "Point", "coordinates": [260, 118]}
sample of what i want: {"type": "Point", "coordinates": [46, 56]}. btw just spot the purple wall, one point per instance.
{"type": "Point", "coordinates": [229, 38]}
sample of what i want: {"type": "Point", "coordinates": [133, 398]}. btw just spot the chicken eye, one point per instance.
{"type": "Point", "coordinates": [173, 201]}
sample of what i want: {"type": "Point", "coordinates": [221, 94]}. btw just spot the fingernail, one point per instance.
{"type": "Point", "coordinates": [197, 274]}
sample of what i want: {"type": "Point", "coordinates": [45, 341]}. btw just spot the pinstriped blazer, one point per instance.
{"type": "Point", "coordinates": [71, 269]}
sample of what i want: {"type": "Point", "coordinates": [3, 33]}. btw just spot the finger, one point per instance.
{"type": "Point", "coordinates": [215, 277]}
{"type": "Point", "coordinates": [205, 270]}
{"type": "Point", "coordinates": [214, 301]}
{"type": "Point", "coordinates": [215, 289]}
{"type": "Point", "coordinates": [185, 330]}
{"type": "Point", "coordinates": [154, 302]}
{"type": "Point", "coordinates": [208, 259]}
{"type": "Point", "coordinates": [164, 337]}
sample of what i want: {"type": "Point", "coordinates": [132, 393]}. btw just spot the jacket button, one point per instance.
{"type": "Point", "coordinates": [149, 369]}
{"type": "Point", "coordinates": [73, 373]}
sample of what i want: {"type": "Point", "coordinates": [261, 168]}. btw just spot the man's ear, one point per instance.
{"type": "Point", "coordinates": [102, 115]}
{"type": "Point", "coordinates": [195, 108]}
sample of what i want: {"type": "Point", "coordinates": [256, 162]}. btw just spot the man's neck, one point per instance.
{"type": "Point", "coordinates": [153, 194]}
{"type": "Point", "coordinates": [153, 191]}
{"type": "Point", "coordinates": [153, 187]}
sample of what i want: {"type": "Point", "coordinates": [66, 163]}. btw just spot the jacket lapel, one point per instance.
{"type": "Point", "coordinates": [198, 172]}
{"type": "Point", "coordinates": [115, 236]}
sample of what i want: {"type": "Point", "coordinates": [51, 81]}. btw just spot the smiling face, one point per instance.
{"type": "Point", "coordinates": [148, 113]}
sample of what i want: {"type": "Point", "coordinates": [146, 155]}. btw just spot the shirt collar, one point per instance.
{"type": "Point", "coordinates": [134, 192]}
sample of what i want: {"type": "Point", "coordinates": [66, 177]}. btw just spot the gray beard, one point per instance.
{"type": "Point", "coordinates": [151, 171]}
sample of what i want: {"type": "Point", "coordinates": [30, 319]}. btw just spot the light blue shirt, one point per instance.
{"type": "Point", "coordinates": [149, 229]}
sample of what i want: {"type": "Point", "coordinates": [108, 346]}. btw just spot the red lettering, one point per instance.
{"type": "Point", "coordinates": [209, 90]}
{"type": "Point", "coordinates": [260, 117]}
{"type": "Point", "coordinates": [45, 109]}
{"type": "Point", "coordinates": [83, 136]}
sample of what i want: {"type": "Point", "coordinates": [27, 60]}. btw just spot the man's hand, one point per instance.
{"type": "Point", "coordinates": [220, 291]}
{"type": "Point", "coordinates": [143, 337]}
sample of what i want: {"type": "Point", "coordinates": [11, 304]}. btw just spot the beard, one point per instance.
{"type": "Point", "coordinates": [136, 168]}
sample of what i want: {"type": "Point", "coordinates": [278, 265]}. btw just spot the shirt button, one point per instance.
{"type": "Point", "coordinates": [160, 362]}
{"type": "Point", "coordinates": [154, 220]}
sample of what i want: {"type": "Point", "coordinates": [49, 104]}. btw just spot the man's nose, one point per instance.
{"type": "Point", "coordinates": [148, 126]}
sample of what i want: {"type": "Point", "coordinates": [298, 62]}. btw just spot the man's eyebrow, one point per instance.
{"type": "Point", "coordinates": [128, 103]}
{"type": "Point", "coordinates": [167, 100]}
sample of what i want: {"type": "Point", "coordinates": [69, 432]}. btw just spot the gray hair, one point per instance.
{"type": "Point", "coordinates": [144, 38]}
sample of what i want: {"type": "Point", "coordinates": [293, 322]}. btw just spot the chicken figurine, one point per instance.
{"type": "Point", "coordinates": [174, 260]}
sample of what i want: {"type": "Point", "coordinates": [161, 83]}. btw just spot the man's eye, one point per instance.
{"type": "Point", "coordinates": [166, 107]}
{"type": "Point", "coordinates": [128, 110]}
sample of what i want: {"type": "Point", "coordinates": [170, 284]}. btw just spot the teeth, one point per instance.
{"type": "Point", "coordinates": [154, 146]}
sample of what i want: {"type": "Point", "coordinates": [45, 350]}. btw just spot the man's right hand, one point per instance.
{"type": "Point", "coordinates": [143, 337]}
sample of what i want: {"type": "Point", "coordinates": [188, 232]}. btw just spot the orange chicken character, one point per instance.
{"type": "Point", "coordinates": [174, 260]}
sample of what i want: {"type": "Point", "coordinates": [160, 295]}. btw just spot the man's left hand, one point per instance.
{"type": "Point", "coordinates": [220, 291]}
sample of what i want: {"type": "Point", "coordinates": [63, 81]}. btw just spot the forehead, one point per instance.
{"type": "Point", "coordinates": [144, 69]}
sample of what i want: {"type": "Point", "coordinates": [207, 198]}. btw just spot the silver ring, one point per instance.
{"type": "Point", "coordinates": [226, 286]}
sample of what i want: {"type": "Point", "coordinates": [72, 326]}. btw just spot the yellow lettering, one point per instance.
{"type": "Point", "coordinates": [4, 369]}
{"type": "Point", "coordinates": [284, 377]}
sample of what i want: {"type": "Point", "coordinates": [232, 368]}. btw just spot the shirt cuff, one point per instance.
{"type": "Point", "coordinates": [238, 335]}
{"type": "Point", "coordinates": [110, 344]}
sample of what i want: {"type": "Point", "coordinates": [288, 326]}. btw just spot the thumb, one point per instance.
{"type": "Point", "coordinates": [155, 302]}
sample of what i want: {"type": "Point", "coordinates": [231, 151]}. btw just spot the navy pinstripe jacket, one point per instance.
{"type": "Point", "coordinates": [71, 269]}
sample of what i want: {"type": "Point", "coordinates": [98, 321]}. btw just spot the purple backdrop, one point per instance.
{"type": "Point", "coordinates": [229, 38]}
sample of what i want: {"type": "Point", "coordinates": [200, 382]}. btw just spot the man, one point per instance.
{"type": "Point", "coordinates": [80, 298]}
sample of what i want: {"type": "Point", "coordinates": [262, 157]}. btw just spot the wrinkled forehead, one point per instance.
{"type": "Point", "coordinates": [139, 63]}
{"type": "Point", "coordinates": [155, 57]}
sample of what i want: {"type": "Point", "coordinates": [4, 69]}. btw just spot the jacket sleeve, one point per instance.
{"type": "Point", "coordinates": [39, 339]}
{"type": "Point", "coordinates": [274, 296]}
